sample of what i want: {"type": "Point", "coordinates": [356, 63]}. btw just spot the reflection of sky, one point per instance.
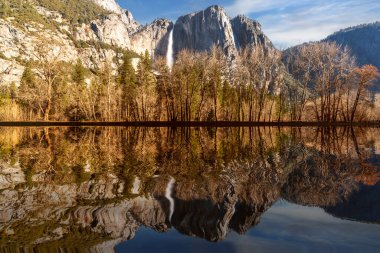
{"type": "Point", "coordinates": [284, 228]}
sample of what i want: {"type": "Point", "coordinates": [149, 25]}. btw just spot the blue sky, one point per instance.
{"type": "Point", "coordinates": [286, 22]}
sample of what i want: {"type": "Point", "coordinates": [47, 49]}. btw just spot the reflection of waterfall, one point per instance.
{"type": "Point", "coordinates": [136, 186]}
{"type": "Point", "coordinates": [168, 195]}
{"type": "Point", "coordinates": [169, 53]}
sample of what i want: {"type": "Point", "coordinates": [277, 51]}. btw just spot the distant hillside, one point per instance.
{"type": "Point", "coordinates": [364, 43]}
{"type": "Point", "coordinates": [363, 40]}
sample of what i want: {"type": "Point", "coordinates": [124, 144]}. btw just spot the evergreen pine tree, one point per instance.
{"type": "Point", "coordinates": [79, 73]}
{"type": "Point", "coordinates": [28, 78]}
{"type": "Point", "coordinates": [13, 91]}
{"type": "Point", "coordinates": [146, 60]}
{"type": "Point", "coordinates": [146, 88]}
{"type": "Point", "coordinates": [127, 81]}
{"type": "Point", "coordinates": [28, 86]}
{"type": "Point", "coordinates": [127, 75]}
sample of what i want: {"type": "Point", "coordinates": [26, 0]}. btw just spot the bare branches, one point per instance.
{"type": "Point", "coordinates": [364, 76]}
{"type": "Point", "coordinates": [328, 72]}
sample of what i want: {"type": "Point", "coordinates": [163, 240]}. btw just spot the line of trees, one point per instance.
{"type": "Point", "coordinates": [324, 85]}
{"type": "Point", "coordinates": [338, 90]}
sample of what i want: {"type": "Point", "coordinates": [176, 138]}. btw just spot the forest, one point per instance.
{"type": "Point", "coordinates": [315, 82]}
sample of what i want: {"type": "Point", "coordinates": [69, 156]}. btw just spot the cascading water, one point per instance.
{"type": "Point", "coordinates": [170, 53]}
{"type": "Point", "coordinates": [168, 195]}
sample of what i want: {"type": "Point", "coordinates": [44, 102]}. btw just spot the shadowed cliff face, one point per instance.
{"type": "Point", "coordinates": [201, 30]}
{"type": "Point", "coordinates": [362, 40]}
{"type": "Point", "coordinates": [248, 33]}
{"type": "Point", "coordinates": [98, 186]}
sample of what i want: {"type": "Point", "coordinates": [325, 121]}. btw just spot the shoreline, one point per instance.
{"type": "Point", "coordinates": [185, 124]}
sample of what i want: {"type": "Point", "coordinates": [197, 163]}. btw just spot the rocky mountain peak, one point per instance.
{"type": "Point", "coordinates": [248, 33]}
{"type": "Point", "coordinates": [129, 15]}
{"type": "Point", "coordinates": [201, 30]}
{"type": "Point", "coordinates": [124, 15]}
{"type": "Point", "coordinates": [161, 22]}
{"type": "Point", "coordinates": [216, 8]}
{"type": "Point", "coordinates": [109, 5]}
{"type": "Point", "coordinates": [213, 9]}
{"type": "Point", "coordinates": [153, 37]}
{"type": "Point", "coordinates": [248, 21]}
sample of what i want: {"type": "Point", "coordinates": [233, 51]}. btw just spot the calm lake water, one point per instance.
{"type": "Point", "coordinates": [189, 190]}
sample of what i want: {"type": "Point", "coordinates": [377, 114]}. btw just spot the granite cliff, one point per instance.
{"type": "Point", "coordinates": [101, 36]}
{"type": "Point", "coordinates": [201, 30]}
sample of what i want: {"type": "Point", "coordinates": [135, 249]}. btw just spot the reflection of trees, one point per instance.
{"type": "Point", "coordinates": [333, 170]}
{"type": "Point", "coordinates": [106, 182]}
{"type": "Point", "coordinates": [321, 180]}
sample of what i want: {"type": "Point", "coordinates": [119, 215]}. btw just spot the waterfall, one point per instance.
{"type": "Point", "coordinates": [169, 53]}
{"type": "Point", "coordinates": [168, 195]}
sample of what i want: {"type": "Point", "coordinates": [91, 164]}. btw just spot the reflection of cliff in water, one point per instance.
{"type": "Point", "coordinates": [363, 205]}
{"type": "Point", "coordinates": [98, 186]}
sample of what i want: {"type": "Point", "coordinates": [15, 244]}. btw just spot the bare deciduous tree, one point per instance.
{"type": "Point", "coordinates": [48, 67]}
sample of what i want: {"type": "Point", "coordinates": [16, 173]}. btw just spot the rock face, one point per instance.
{"type": "Point", "coordinates": [111, 31]}
{"type": "Point", "coordinates": [132, 25]}
{"type": "Point", "coordinates": [109, 5]}
{"type": "Point", "coordinates": [201, 30]}
{"type": "Point", "coordinates": [122, 30]}
{"type": "Point", "coordinates": [94, 42]}
{"type": "Point", "coordinates": [125, 16]}
{"type": "Point", "coordinates": [248, 33]}
{"type": "Point", "coordinates": [10, 71]}
{"type": "Point", "coordinates": [153, 37]}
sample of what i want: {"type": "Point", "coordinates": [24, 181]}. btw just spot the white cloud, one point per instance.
{"type": "Point", "coordinates": [292, 22]}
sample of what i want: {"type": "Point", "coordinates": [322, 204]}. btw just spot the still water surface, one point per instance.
{"type": "Point", "coordinates": [189, 190]}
